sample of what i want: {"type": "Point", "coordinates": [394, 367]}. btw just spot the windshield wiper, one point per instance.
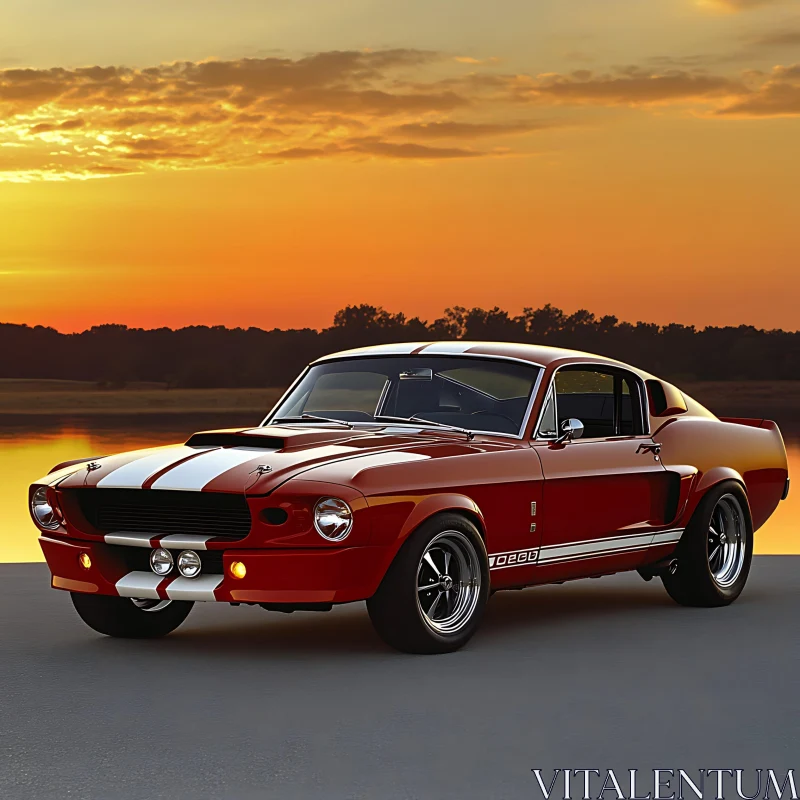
{"type": "Point", "coordinates": [416, 419]}
{"type": "Point", "coordinates": [303, 417]}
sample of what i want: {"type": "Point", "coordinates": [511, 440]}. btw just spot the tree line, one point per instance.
{"type": "Point", "coordinates": [205, 357]}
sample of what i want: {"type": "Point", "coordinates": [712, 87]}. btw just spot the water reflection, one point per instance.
{"type": "Point", "coordinates": [29, 447]}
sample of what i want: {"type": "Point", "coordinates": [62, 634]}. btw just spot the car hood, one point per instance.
{"type": "Point", "coordinates": [257, 460]}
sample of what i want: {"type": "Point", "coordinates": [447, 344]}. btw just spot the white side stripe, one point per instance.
{"type": "Point", "coordinates": [614, 543]}
{"type": "Point", "coordinates": [139, 584]}
{"type": "Point", "coordinates": [610, 551]}
{"type": "Point", "coordinates": [193, 475]}
{"type": "Point", "coordinates": [197, 589]}
{"type": "Point", "coordinates": [575, 551]}
{"type": "Point", "coordinates": [666, 537]}
{"type": "Point", "coordinates": [133, 474]}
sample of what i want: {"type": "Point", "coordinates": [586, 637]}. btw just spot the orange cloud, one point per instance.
{"type": "Point", "coordinates": [779, 38]}
{"type": "Point", "coordinates": [110, 120]}
{"type": "Point", "coordinates": [632, 85]}
{"type": "Point", "coordinates": [372, 147]}
{"type": "Point", "coordinates": [778, 96]}
{"type": "Point", "coordinates": [477, 61]}
{"type": "Point", "coordinates": [62, 124]}
{"type": "Point", "coordinates": [452, 129]}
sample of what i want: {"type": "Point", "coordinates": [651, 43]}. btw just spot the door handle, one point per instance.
{"type": "Point", "coordinates": [649, 447]}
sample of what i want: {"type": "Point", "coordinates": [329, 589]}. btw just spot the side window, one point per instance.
{"type": "Point", "coordinates": [607, 403]}
{"type": "Point", "coordinates": [586, 395]}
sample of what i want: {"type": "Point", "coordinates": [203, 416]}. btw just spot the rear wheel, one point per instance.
{"type": "Point", "coordinates": [130, 618]}
{"type": "Point", "coordinates": [432, 598]}
{"type": "Point", "coordinates": [715, 552]}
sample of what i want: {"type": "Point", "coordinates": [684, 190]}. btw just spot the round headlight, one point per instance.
{"type": "Point", "coordinates": [333, 519]}
{"type": "Point", "coordinates": [41, 510]}
{"type": "Point", "coordinates": [189, 564]}
{"type": "Point", "coordinates": [161, 561]}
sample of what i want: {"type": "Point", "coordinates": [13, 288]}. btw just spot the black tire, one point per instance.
{"type": "Point", "coordinates": [694, 582]}
{"type": "Point", "coordinates": [399, 612]}
{"type": "Point", "coordinates": [120, 616]}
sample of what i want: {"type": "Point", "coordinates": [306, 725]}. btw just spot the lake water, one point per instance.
{"type": "Point", "coordinates": [30, 446]}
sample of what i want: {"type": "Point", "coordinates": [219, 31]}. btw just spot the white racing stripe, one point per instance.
{"type": "Point", "coordinates": [133, 474]}
{"type": "Point", "coordinates": [386, 459]}
{"type": "Point", "coordinates": [174, 541]}
{"type": "Point", "coordinates": [139, 584]}
{"type": "Point", "coordinates": [447, 348]}
{"type": "Point", "coordinates": [182, 541]}
{"type": "Point", "coordinates": [129, 538]}
{"type": "Point", "coordinates": [197, 589]}
{"type": "Point", "coordinates": [397, 349]}
{"type": "Point", "coordinates": [193, 475]}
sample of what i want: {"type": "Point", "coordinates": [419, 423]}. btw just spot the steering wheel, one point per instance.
{"type": "Point", "coordinates": [483, 411]}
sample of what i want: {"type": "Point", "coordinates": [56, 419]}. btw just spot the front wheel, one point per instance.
{"type": "Point", "coordinates": [715, 552]}
{"type": "Point", "coordinates": [128, 618]}
{"type": "Point", "coordinates": [432, 597]}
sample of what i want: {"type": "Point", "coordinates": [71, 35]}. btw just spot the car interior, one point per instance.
{"type": "Point", "coordinates": [488, 396]}
{"type": "Point", "coordinates": [607, 403]}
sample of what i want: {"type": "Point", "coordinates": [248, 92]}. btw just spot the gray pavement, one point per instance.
{"type": "Point", "coordinates": [242, 703]}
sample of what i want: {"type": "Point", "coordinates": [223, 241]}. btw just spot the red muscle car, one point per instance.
{"type": "Point", "coordinates": [421, 478]}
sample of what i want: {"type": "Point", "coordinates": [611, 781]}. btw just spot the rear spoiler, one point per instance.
{"type": "Point", "coordinates": [765, 424]}
{"type": "Point", "coordinates": [753, 423]}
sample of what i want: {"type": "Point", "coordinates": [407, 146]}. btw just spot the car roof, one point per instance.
{"type": "Point", "coordinates": [534, 353]}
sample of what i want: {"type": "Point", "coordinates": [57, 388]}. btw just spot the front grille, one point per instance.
{"type": "Point", "coordinates": [162, 512]}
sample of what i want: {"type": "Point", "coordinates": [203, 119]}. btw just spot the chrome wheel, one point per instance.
{"type": "Point", "coordinates": [150, 605]}
{"type": "Point", "coordinates": [448, 582]}
{"type": "Point", "coordinates": [727, 541]}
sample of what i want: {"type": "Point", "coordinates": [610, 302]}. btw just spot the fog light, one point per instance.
{"type": "Point", "coordinates": [161, 561]}
{"type": "Point", "coordinates": [85, 561]}
{"type": "Point", "coordinates": [238, 570]}
{"type": "Point", "coordinates": [189, 564]}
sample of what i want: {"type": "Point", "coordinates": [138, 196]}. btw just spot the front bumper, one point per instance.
{"type": "Point", "coordinates": [326, 575]}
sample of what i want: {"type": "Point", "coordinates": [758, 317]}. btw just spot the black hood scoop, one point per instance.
{"type": "Point", "coordinates": [226, 439]}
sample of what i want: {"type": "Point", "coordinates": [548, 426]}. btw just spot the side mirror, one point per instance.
{"type": "Point", "coordinates": [570, 429]}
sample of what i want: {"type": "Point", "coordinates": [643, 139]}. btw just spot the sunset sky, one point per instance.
{"type": "Point", "coordinates": [265, 163]}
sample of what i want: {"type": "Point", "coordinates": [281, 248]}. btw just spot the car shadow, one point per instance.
{"type": "Point", "coordinates": [217, 631]}
{"type": "Point", "coordinates": [542, 607]}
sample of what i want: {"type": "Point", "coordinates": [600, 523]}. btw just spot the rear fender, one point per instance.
{"type": "Point", "coordinates": [706, 482]}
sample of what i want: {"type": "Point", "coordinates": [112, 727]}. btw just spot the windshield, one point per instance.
{"type": "Point", "coordinates": [470, 393]}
